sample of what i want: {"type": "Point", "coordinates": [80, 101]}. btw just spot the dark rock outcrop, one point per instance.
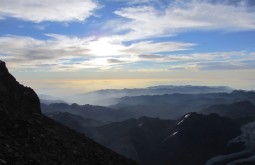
{"type": "Point", "coordinates": [28, 137]}
{"type": "Point", "coordinates": [17, 96]}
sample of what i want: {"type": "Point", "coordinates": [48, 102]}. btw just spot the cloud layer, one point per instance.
{"type": "Point", "coordinates": [48, 10]}
{"type": "Point", "coordinates": [65, 52]}
{"type": "Point", "coordinates": [135, 36]}
{"type": "Point", "coordinates": [72, 53]}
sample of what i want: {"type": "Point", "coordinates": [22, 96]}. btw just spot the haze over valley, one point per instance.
{"type": "Point", "coordinates": [126, 82]}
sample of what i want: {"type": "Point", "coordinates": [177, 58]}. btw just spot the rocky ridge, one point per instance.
{"type": "Point", "coordinates": [28, 137]}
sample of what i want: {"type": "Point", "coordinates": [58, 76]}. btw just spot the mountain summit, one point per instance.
{"type": "Point", "coordinates": [28, 137]}
{"type": "Point", "coordinates": [21, 98]}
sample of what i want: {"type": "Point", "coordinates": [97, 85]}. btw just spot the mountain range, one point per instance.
{"type": "Point", "coordinates": [200, 136]}
{"type": "Point", "coordinates": [177, 129]}
{"type": "Point", "coordinates": [168, 106]}
{"type": "Point", "coordinates": [192, 139]}
{"type": "Point", "coordinates": [108, 97]}
{"type": "Point", "coordinates": [235, 110]}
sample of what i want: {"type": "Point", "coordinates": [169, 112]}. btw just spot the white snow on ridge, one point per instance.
{"type": "Point", "coordinates": [141, 124]}
{"type": "Point", "coordinates": [169, 136]}
{"type": "Point", "coordinates": [174, 133]}
{"type": "Point", "coordinates": [180, 122]}
{"type": "Point", "coordinates": [187, 115]}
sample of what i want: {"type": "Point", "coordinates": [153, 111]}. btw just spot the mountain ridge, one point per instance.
{"type": "Point", "coordinates": [28, 137]}
{"type": "Point", "coordinates": [106, 97]}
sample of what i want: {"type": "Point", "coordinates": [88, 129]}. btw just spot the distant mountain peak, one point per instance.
{"type": "Point", "coordinates": [3, 68]}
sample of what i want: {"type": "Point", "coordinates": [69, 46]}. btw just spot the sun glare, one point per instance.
{"type": "Point", "coordinates": [105, 47]}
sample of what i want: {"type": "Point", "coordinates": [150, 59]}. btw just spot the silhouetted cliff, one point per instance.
{"type": "Point", "coordinates": [28, 137]}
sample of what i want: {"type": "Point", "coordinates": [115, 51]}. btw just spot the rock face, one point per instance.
{"type": "Point", "coordinates": [28, 137]}
{"type": "Point", "coordinates": [17, 96]}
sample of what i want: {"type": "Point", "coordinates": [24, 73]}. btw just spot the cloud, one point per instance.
{"type": "Point", "coordinates": [48, 10]}
{"type": "Point", "coordinates": [63, 53]}
{"type": "Point", "coordinates": [74, 53]}
{"type": "Point", "coordinates": [157, 47]}
{"type": "Point", "coordinates": [60, 52]}
{"type": "Point", "coordinates": [150, 56]}
{"type": "Point", "coordinates": [40, 27]}
{"type": "Point", "coordinates": [231, 65]}
{"type": "Point", "coordinates": [26, 52]}
{"type": "Point", "coordinates": [132, 2]}
{"type": "Point", "coordinates": [116, 61]}
{"type": "Point", "coordinates": [215, 61]}
{"type": "Point", "coordinates": [238, 60]}
{"type": "Point", "coordinates": [147, 21]}
{"type": "Point", "coordinates": [149, 70]}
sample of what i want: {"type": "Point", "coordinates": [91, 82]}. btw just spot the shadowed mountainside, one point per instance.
{"type": "Point", "coordinates": [108, 97]}
{"type": "Point", "coordinates": [175, 105]}
{"type": "Point", "coordinates": [28, 137]}
{"type": "Point", "coordinates": [193, 139]}
{"type": "Point", "coordinates": [100, 113]}
{"type": "Point", "coordinates": [236, 110]}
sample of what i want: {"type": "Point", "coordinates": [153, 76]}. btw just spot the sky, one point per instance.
{"type": "Point", "coordinates": [61, 47]}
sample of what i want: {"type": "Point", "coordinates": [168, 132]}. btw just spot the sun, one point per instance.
{"type": "Point", "coordinates": [105, 47]}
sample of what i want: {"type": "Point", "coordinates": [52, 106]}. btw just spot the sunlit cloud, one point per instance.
{"type": "Point", "coordinates": [132, 2]}
{"type": "Point", "coordinates": [72, 53]}
{"type": "Point", "coordinates": [146, 21]}
{"type": "Point", "coordinates": [149, 70]}
{"type": "Point", "coordinates": [153, 47]}
{"type": "Point", "coordinates": [48, 10]}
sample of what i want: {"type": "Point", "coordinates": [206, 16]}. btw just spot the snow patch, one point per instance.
{"type": "Point", "coordinates": [180, 122]}
{"type": "Point", "coordinates": [169, 136]}
{"type": "Point", "coordinates": [187, 115]}
{"type": "Point", "coordinates": [174, 133]}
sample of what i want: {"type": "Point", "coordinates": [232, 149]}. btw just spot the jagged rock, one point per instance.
{"type": "Point", "coordinates": [18, 97]}
{"type": "Point", "coordinates": [28, 137]}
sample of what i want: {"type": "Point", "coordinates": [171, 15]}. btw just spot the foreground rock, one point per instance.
{"type": "Point", "coordinates": [28, 137]}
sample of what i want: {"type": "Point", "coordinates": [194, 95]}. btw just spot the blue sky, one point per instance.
{"type": "Point", "coordinates": [86, 45]}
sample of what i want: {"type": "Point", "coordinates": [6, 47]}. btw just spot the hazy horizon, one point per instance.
{"type": "Point", "coordinates": [66, 47]}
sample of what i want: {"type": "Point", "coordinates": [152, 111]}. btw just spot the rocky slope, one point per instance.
{"type": "Point", "coordinates": [28, 137]}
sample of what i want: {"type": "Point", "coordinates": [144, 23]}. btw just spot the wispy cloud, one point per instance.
{"type": "Point", "coordinates": [156, 47]}
{"type": "Point", "coordinates": [149, 70]}
{"type": "Point", "coordinates": [134, 1]}
{"type": "Point", "coordinates": [73, 53]}
{"type": "Point", "coordinates": [203, 61]}
{"type": "Point", "coordinates": [215, 61]}
{"type": "Point", "coordinates": [146, 21]}
{"type": "Point", "coordinates": [48, 10]}
{"type": "Point", "coordinates": [142, 23]}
